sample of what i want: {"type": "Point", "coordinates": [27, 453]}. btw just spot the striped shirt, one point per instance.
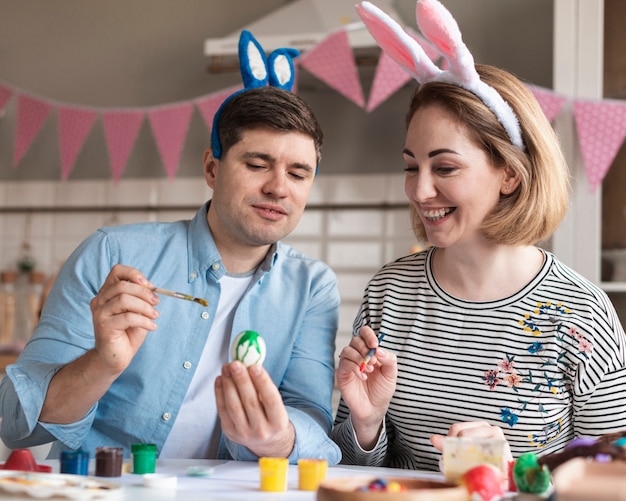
{"type": "Point", "coordinates": [546, 364]}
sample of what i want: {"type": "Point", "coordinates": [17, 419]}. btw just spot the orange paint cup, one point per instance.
{"type": "Point", "coordinates": [273, 474]}
{"type": "Point", "coordinates": [311, 472]}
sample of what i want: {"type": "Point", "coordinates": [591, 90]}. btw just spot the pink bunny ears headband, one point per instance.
{"type": "Point", "coordinates": [441, 30]}
{"type": "Point", "coordinates": [257, 71]}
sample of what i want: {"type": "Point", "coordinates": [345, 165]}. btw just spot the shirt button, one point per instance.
{"type": "Point", "coordinates": [192, 276]}
{"type": "Point", "coordinates": [204, 315]}
{"type": "Point", "coordinates": [166, 416]}
{"type": "Point", "coordinates": [216, 266]}
{"type": "Point", "coordinates": [187, 365]}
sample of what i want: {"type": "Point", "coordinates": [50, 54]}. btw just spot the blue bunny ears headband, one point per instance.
{"type": "Point", "coordinates": [441, 30]}
{"type": "Point", "coordinates": [257, 70]}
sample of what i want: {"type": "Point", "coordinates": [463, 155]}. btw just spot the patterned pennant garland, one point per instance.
{"type": "Point", "coordinates": [550, 103]}
{"type": "Point", "coordinates": [169, 127]}
{"type": "Point", "coordinates": [601, 124]}
{"type": "Point", "coordinates": [389, 77]}
{"type": "Point", "coordinates": [31, 114]}
{"type": "Point", "coordinates": [332, 61]}
{"type": "Point", "coordinates": [601, 130]}
{"type": "Point", "coordinates": [121, 129]}
{"type": "Point", "coordinates": [74, 125]}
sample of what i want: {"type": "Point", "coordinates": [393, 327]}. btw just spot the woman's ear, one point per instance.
{"type": "Point", "coordinates": [510, 181]}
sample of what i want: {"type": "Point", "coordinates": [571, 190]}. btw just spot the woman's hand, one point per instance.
{"type": "Point", "coordinates": [475, 429]}
{"type": "Point", "coordinates": [367, 393]}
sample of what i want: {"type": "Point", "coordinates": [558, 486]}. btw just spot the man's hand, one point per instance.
{"type": "Point", "coordinates": [123, 313]}
{"type": "Point", "coordinates": [252, 412]}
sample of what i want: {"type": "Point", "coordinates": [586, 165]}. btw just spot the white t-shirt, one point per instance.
{"type": "Point", "coordinates": [196, 432]}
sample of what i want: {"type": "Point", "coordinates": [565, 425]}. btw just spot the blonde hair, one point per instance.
{"type": "Point", "coordinates": [534, 210]}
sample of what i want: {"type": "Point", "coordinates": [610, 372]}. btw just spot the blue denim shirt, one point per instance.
{"type": "Point", "coordinates": [293, 303]}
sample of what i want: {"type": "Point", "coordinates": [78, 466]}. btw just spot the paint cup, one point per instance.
{"type": "Point", "coordinates": [109, 461]}
{"type": "Point", "coordinates": [273, 474]}
{"type": "Point", "coordinates": [75, 462]}
{"type": "Point", "coordinates": [21, 460]}
{"type": "Point", "coordinates": [311, 472]}
{"type": "Point", "coordinates": [144, 458]}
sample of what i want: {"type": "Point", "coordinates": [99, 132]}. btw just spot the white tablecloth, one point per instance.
{"type": "Point", "coordinates": [230, 480]}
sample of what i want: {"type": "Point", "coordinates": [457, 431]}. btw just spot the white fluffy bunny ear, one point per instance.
{"type": "Point", "coordinates": [252, 61]}
{"type": "Point", "coordinates": [281, 69]}
{"type": "Point", "coordinates": [441, 30]}
{"type": "Point", "coordinates": [397, 43]}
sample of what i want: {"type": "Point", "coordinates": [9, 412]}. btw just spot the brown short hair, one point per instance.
{"type": "Point", "coordinates": [267, 107]}
{"type": "Point", "coordinates": [535, 209]}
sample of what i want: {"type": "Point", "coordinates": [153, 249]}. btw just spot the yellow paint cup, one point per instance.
{"type": "Point", "coordinates": [311, 472]}
{"type": "Point", "coordinates": [273, 474]}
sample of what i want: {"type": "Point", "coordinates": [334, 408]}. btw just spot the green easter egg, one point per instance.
{"type": "Point", "coordinates": [249, 348]}
{"type": "Point", "coordinates": [529, 475]}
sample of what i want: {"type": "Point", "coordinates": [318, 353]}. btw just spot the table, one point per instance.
{"type": "Point", "coordinates": [231, 480]}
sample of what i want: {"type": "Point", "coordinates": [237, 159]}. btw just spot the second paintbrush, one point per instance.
{"type": "Point", "coordinates": [370, 353]}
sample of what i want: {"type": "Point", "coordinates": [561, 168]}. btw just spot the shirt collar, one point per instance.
{"type": "Point", "coordinates": [202, 253]}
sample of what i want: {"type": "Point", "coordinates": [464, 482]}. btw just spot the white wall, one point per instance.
{"type": "Point", "coordinates": [355, 224]}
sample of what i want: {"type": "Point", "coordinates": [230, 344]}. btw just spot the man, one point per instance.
{"type": "Point", "coordinates": [111, 363]}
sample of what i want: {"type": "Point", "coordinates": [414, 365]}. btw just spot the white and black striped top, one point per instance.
{"type": "Point", "coordinates": [546, 364]}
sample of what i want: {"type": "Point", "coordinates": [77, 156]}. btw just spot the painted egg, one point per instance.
{"type": "Point", "coordinates": [484, 483]}
{"type": "Point", "coordinates": [249, 348]}
{"type": "Point", "coordinates": [529, 475]}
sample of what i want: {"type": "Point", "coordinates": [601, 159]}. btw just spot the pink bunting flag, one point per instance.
{"type": "Point", "coordinates": [601, 131]}
{"type": "Point", "coordinates": [74, 125]}
{"type": "Point", "coordinates": [5, 94]}
{"type": "Point", "coordinates": [332, 61]}
{"type": "Point", "coordinates": [121, 129]}
{"type": "Point", "coordinates": [208, 105]}
{"type": "Point", "coordinates": [550, 102]}
{"type": "Point", "coordinates": [31, 114]}
{"type": "Point", "coordinates": [389, 77]}
{"type": "Point", "coordinates": [169, 127]}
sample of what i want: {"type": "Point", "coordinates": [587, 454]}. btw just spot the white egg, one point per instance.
{"type": "Point", "coordinates": [249, 348]}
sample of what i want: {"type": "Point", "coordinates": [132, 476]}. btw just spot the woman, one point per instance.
{"type": "Point", "coordinates": [486, 334]}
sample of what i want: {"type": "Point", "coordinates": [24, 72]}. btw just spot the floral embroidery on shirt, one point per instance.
{"type": "Point", "coordinates": [508, 417]}
{"type": "Point", "coordinates": [547, 319]}
{"type": "Point", "coordinates": [549, 432]}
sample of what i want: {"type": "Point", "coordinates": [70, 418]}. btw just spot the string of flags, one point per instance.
{"type": "Point", "coordinates": [600, 123]}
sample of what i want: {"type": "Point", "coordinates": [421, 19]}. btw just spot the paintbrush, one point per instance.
{"type": "Point", "coordinates": [180, 295]}
{"type": "Point", "coordinates": [370, 353]}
